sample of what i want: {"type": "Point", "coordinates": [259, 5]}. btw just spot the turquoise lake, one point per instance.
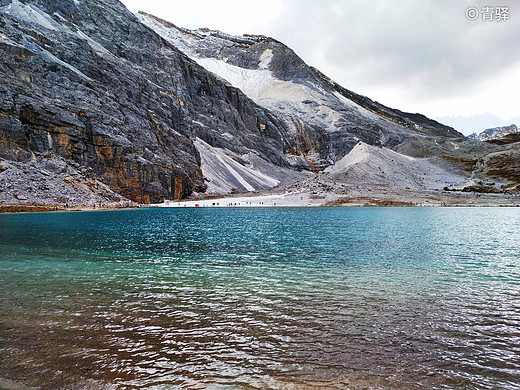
{"type": "Point", "coordinates": [278, 298]}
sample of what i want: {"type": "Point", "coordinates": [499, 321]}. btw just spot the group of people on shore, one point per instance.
{"type": "Point", "coordinates": [118, 205]}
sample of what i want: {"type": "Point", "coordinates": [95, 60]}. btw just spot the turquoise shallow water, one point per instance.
{"type": "Point", "coordinates": [328, 298]}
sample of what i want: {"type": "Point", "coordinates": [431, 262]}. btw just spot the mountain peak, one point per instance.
{"type": "Point", "coordinates": [495, 132]}
{"type": "Point", "coordinates": [204, 32]}
{"type": "Point", "coordinates": [96, 99]}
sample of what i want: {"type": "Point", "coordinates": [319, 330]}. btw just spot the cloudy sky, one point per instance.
{"type": "Point", "coordinates": [425, 56]}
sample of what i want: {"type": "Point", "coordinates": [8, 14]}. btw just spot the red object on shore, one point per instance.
{"type": "Point", "coordinates": [196, 205]}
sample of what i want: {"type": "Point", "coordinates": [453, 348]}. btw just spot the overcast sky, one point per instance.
{"type": "Point", "coordinates": [423, 56]}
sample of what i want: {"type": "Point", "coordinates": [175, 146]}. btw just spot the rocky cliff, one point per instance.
{"type": "Point", "coordinates": [323, 120]}
{"type": "Point", "coordinates": [98, 104]}
{"type": "Point", "coordinates": [87, 87]}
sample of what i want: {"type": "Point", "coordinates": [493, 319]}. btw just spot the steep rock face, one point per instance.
{"type": "Point", "coordinates": [503, 164]}
{"type": "Point", "coordinates": [323, 120]}
{"type": "Point", "coordinates": [87, 82]}
{"type": "Point", "coordinates": [96, 103]}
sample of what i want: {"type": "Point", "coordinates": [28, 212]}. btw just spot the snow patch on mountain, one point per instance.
{"type": "Point", "coordinates": [170, 33]}
{"type": "Point", "coordinates": [259, 84]}
{"type": "Point", "coordinates": [254, 83]}
{"type": "Point", "coordinates": [291, 98]}
{"type": "Point", "coordinates": [30, 13]}
{"type": "Point", "coordinates": [96, 46]}
{"type": "Point", "coordinates": [308, 101]}
{"type": "Point", "coordinates": [265, 59]}
{"type": "Point", "coordinates": [353, 106]}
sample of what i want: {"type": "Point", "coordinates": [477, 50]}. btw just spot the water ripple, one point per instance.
{"type": "Point", "coordinates": [261, 299]}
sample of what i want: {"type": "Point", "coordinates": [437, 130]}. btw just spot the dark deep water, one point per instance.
{"type": "Point", "coordinates": [326, 298]}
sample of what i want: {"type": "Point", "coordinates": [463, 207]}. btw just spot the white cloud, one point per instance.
{"type": "Point", "coordinates": [231, 16]}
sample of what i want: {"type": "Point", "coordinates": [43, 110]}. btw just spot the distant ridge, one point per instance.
{"type": "Point", "coordinates": [495, 132]}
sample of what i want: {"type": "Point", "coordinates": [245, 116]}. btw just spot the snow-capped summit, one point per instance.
{"type": "Point", "coordinates": [495, 132]}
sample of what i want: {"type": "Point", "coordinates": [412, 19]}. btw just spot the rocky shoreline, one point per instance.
{"type": "Point", "coordinates": [355, 198]}
{"type": "Point", "coordinates": [39, 208]}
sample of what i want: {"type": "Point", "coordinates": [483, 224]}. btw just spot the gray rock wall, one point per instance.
{"type": "Point", "coordinates": [89, 83]}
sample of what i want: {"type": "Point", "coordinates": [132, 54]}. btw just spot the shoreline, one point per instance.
{"type": "Point", "coordinates": [373, 197]}
{"type": "Point", "coordinates": [20, 208]}
{"type": "Point", "coordinates": [304, 199]}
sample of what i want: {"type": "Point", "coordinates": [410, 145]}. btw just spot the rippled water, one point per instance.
{"type": "Point", "coordinates": [328, 298]}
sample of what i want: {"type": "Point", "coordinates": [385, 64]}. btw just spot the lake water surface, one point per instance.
{"type": "Point", "coordinates": [325, 298]}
